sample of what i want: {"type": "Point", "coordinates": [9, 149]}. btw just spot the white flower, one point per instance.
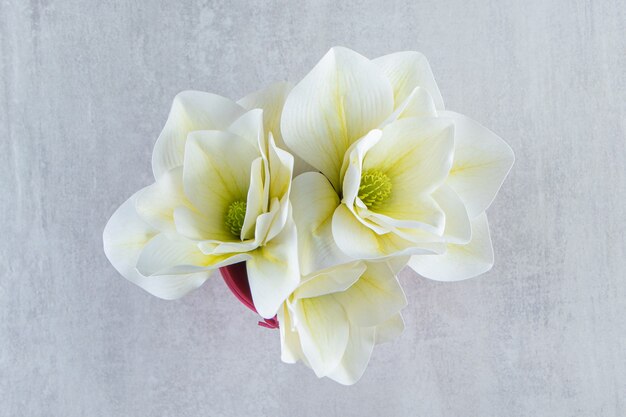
{"type": "Point", "coordinates": [399, 176]}
{"type": "Point", "coordinates": [333, 320]}
{"type": "Point", "coordinates": [221, 196]}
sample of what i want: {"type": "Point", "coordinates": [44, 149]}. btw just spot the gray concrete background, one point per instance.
{"type": "Point", "coordinates": [85, 89]}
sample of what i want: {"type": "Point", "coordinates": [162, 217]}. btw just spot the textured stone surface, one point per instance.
{"type": "Point", "coordinates": [85, 89]}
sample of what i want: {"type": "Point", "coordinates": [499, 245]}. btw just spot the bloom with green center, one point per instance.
{"type": "Point", "coordinates": [398, 177]}
{"type": "Point", "coordinates": [221, 196]}
{"type": "Point", "coordinates": [335, 318]}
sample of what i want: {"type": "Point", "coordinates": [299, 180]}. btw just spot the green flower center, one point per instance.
{"type": "Point", "coordinates": [235, 215]}
{"type": "Point", "coordinates": [375, 188]}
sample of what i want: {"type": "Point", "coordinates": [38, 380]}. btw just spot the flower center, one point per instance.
{"type": "Point", "coordinates": [375, 188]}
{"type": "Point", "coordinates": [234, 217]}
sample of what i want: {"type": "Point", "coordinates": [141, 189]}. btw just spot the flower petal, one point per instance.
{"type": "Point", "coordinates": [166, 255]}
{"type": "Point", "coordinates": [291, 351]}
{"type": "Point", "coordinates": [418, 104]}
{"type": "Point", "coordinates": [191, 110]}
{"type": "Point", "coordinates": [124, 237]}
{"type": "Point", "coordinates": [374, 298]}
{"type": "Point", "coordinates": [356, 357]}
{"type": "Point", "coordinates": [460, 261]}
{"type": "Point", "coordinates": [157, 202]}
{"type": "Point", "coordinates": [341, 99]}
{"type": "Point", "coordinates": [324, 332]}
{"type": "Point", "coordinates": [415, 153]}
{"type": "Point", "coordinates": [407, 70]}
{"type": "Point", "coordinates": [272, 100]}
{"type": "Point", "coordinates": [482, 161]}
{"type": "Point", "coordinates": [332, 280]}
{"type": "Point", "coordinates": [255, 201]}
{"type": "Point", "coordinates": [217, 173]}
{"type": "Point", "coordinates": [273, 271]}
{"type": "Point", "coordinates": [360, 242]}
{"type": "Point", "coordinates": [314, 201]}
{"type": "Point", "coordinates": [458, 228]}
{"type": "Point", "coordinates": [250, 127]}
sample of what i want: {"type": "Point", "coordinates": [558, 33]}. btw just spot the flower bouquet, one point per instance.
{"type": "Point", "coordinates": [310, 198]}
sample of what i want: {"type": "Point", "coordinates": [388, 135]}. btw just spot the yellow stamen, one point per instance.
{"type": "Point", "coordinates": [375, 188]}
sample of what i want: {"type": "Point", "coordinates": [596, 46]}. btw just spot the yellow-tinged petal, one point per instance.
{"type": "Point", "coordinates": [314, 201]}
{"type": "Point", "coordinates": [415, 153]}
{"type": "Point", "coordinates": [406, 71]}
{"type": "Point", "coordinates": [324, 332]}
{"type": "Point", "coordinates": [166, 255]}
{"type": "Point", "coordinates": [374, 298]}
{"type": "Point", "coordinates": [124, 237]}
{"type": "Point", "coordinates": [332, 280]}
{"type": "Point", "coordinates": [482, 161]}
{"type": "Point", "coordinates": [361, 242]}
{"type": "Point", "coordinates": [460, 261]}
{"type": "Point", "coordinates": [191, 110]}
{"type": "Point", "coordinates": [157, 202]}
{"type": "Point", "coordinates": [356, 356]}
{"type": "Point", "coordinates": [273, 271]}
{"type": "Point", "coordinates": [272, 100]}
{"type": "Point", "coordinates": [291, 351]}
{"type": "Point", "coordinates": [458, 228]}
{"type": "Point", "coordinates": [418, 104]}
{"type": "Point", "coordinates": [340, 100]}
{"type": "Point", "coordinates": [216, 174]}
{"type": "Point", "coordinates": [256, 201]}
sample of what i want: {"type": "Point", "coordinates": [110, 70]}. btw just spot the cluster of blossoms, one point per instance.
{"type": "Point", "coordinates": [325, 190]}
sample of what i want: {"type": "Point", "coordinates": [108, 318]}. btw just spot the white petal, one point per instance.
{"type": "Point", "coordinates": [374, 298]}
{"type": "Point", "coordinates": [360, 242]}
{"type": "Point", "coordinates": [191, 110]}
{"type": "Point", "coordinates": [157, 202]}
{"type": "Point", "coordinates": [352, 166]}
{"type": "Point", "coordinates": [482, 161]}
{"type": "Point", "coordinates": [332, 280]}
{"type": "Point", "coordinates": [165, 255]}
{"type": "Point", "coordinates": [217, 173]}
{"type": "Point", "coordinates": [458, 228]}
{"type": "Point", "coordinates": [314, 201]}
{"type": "Point", "coordinates": [415, 153]}
{"type": "Point", "coordinates": [291, 352]}
{"type": "Point", "coordinates": [249, 126]}
{"type": "Point", "coordinates": [272, 100]}
{"type": "Point", "coordinates": [197, 226]}
{"type": "Point", "coordinates": [255, 201]}
{"type": "Point", "coordinates": [273, 271]}
{"type": "Point", "coordinates": [124, 237]}
{"type": "Point", "coordinates": [340, 100]}
{"type": "Point", "coordinates": [460, 261]}
{"type": "Point", "coordinates": [356, 357]}
{"type": "Point", "coordinates": [280, 169]}
{"type": "Point", "coordinates": [324, 331]}
{"type": "Point", "coordinates": [407, 70]}
{"type": "Point", "coordinates": [418, 104]}
{"type": "Point", "coordinates": [390, 329]}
